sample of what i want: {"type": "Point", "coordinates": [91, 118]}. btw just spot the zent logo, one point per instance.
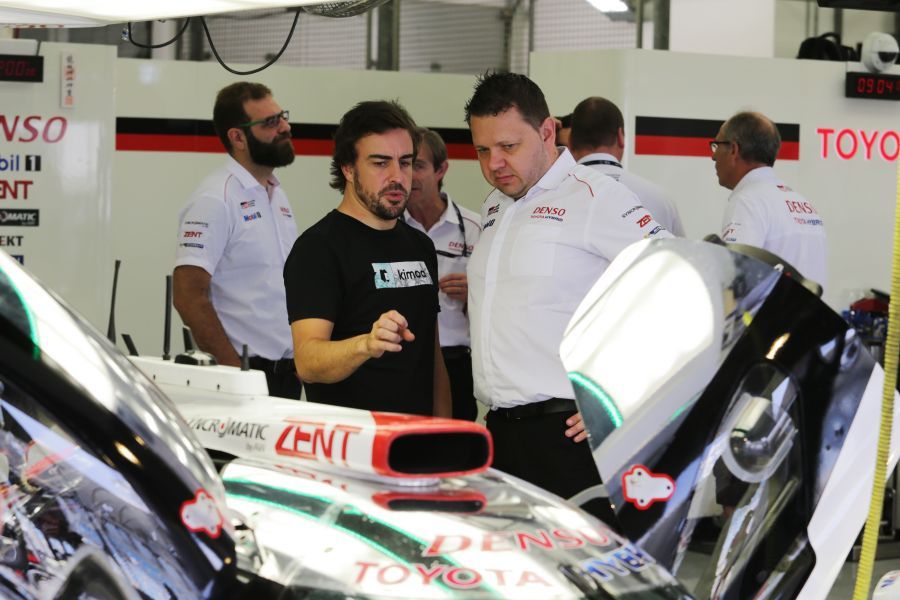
{"type": "Point", "coordinates": [644, 221]}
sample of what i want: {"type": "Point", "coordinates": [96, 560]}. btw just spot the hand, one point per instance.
{"type": "Point", "coordinates": [576, 428]}
{"type": "Point", "coordinates": [455, 285]}
{"type": "Point", "coordinates": [387, 332]}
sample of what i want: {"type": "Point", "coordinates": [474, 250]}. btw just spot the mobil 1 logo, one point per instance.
{"type": "Point", "coordinates": [19, 217]}
{"type": "Point", "coordinates": [20, 162]}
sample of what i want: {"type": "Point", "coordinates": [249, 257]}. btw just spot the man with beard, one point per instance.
{"type": "Point", "coordinates": [235, 235]}
{"type": "Point", "coordinates": [361, 284]}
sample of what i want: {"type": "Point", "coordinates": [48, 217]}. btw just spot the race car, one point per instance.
{"type": "Point", "coordinates": [727, 408]}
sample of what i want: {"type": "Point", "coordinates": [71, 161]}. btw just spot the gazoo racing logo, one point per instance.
{"type": "Point", "coordinates": [554, 213]}
{"type": "Point", "coordinates": [410, 273]}
{"type": "Point", "coordinates": [229, 427]}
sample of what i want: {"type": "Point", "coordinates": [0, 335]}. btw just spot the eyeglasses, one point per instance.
{"type": "Point", "coordinates": [269, 122]}
{"type": "Point", "coordinates": [713, 144]}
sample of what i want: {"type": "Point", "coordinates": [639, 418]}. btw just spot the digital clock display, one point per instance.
{"type": "Point", "coordinates": [15, 67]}
{"type": "Point", "coordinates": [873, 85]}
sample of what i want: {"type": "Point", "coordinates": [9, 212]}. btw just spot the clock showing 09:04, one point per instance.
{"type": "Point", "coordinates": [880, 86]}
{"type": "Point", "coordinates": [17, 67]}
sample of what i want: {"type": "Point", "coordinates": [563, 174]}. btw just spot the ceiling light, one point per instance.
{"type": "Point", "coordinates": [609, 6]}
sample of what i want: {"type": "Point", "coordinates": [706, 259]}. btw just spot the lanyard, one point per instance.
{"type": "Point", "coordinates": [613, 163]}
{"type": "Point", "coordinates": [462, 232]}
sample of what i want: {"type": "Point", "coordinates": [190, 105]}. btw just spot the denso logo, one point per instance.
{"type": "Point", "coordinates": [315, 440]}
{"type": "Point", "coordinates": [549, 210]}
{"type": "Point", "coordinates": [800, 207]}
{"type": "Point", "coordinates": [17, 128]}
{"type": "Point", "coordinates": [848, 144]}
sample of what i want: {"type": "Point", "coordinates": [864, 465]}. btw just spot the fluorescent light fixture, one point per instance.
{"type": "Point", "coordinates": [77, 13]}
{"type": "Point", "coordinates": [609, 6]}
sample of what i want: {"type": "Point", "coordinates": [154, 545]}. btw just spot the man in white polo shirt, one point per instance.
{"type": "Point", "coordinates": [549, 230]}
{"type": "Point", "coordinates": [762, 211]}
{"type": "Point", "coordinates": [235, 234]}
{"type": "Point", "coordinates": [598, 141]}
{"type": "Point", "coordinates": [454, 231]}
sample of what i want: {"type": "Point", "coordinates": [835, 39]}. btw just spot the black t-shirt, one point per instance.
{"type": "Point", "coordinates": [346, 272]}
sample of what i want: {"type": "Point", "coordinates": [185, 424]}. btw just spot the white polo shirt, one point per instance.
{"type": "Point", "coordinates": [537, 258]}
{"type": "Point", "coordinates": [453, 324]}
{"type": "Point", "coordinates": [764, 212]}
{"type": "Point", "coordinates": [236, 233]}
{"type": "Point", "coordinates": [653, 197]}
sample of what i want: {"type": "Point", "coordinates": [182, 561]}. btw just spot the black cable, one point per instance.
{"type": "Point", "coordinates": [163, 45]}
{"type": "Point", "coordinates": [212, 47]}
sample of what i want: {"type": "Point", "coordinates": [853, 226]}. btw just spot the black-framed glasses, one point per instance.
{"type": "Point", "coordinates": [269, 122]}
{"type": "Point", "coordinates": [713, 144]}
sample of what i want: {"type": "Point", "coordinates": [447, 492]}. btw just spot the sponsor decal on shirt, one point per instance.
{"type": "Point", "coordinates": [783, 188]}
{"type": "Point", "coordinates": [800, 207]}
{"type": "Point", "coordinates": [252, 216]}
{"type": "Point", "coordinates": [488, 224]}
{"type": "Point", "coordinates": [286, 212]}
{"type": "Point", "coordinates": [248, 204]}
{"type": "Point", "coordinates": [800, 221]}
{"type": "Point", "coordinates": [644, 221]}
{"type": "Point", "coordinates": [203, 224]}
{"type": "Point", "coordinates": [632, 209]}
{"type": "Point", "coordinates": [13, 241]}
{"type": "Point", "coordinates": [410, 273]}
{"type": "Point", "coordinates": [192, 234]}
{"type": "Point", "coordinates": [19, 257]}
{"type": "Point", "coordinates": [459, 246]}
{"type": "Point", "coordinates": [191, 245]}
{"type": "Point", "coordinates": [493, 210]}
{"type": "Point", "coordinates": [655, 230]}
{"type": "Point", "coordinates": [554, 213]}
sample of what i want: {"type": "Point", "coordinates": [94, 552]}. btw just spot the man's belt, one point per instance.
{"type": "Point", "coordinates": [535, 409]}
{"type": "Point", "coordinates": [454, 352]}
{"type": "Point", "coordinates": [285, 365]}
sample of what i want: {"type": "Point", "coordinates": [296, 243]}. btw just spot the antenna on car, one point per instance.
{"type": "Point", "coordinates": [191, 355]}
{"type": "Point", "coordinates": [167, 338]}
{"type": "Point", "coordinates": [111, 329]}
{"type": "Point", "coordinates": [129, 343]}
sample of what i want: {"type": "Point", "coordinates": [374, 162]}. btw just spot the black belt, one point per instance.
{"type": "Point", "coordinates": [454, 352]}
{"type": "Point", "coordinates": [535, 409]}
{"type": "Point", "coordinates": [285, 365]}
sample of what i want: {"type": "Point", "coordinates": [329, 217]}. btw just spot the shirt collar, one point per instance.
{"type": "Point", "coordinates": [243, 175]}
{"type": "Point", "coordinates": [555, 175]}
{"type": "Point", "coordinates": [757, 174]}
{"type": "Point", "coordinates": [448, 216]}
{"type": "Point", "coordinates": [599, 156]}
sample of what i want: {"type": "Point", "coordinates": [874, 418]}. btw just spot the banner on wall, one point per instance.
{"type": "Point", "coordinates": [55, 173]}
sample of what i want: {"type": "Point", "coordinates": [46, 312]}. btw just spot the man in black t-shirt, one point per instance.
{"type": "Point", "coordinates": [361, 285]}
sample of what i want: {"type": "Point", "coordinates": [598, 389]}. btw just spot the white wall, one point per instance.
{"type": "Point", "coordinates": [855, 196]}
{"type": "Point", "coordinates": [734, 27]}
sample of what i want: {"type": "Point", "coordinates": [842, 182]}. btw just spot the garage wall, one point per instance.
{"type": "Point", "coordinates": [849, 173]}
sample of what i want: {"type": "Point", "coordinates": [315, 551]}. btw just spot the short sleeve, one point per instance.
{"type": "Point", "coordinates": [744, 222]}
{"type": "Point", "coordinates": [617, 219]}
{"type": "Point", "coordinates": [312, 280]}
{"type": "Point", "coordinates": [203, 233]}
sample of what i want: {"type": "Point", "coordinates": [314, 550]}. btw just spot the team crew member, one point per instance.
{"type": "Point", "coordinates": [549, 229]}
{"type": "Point", "coordinates": [234, 237]}
{"type": "Point", "coordinates": [762, 211]}
{"type": "Point", "coordinates": [361, 284]}
{"type": "Point", "coordinates": [563, 130]}
{"type": "Point", "coordinates": [598, 141]}
{"type": "Point", "coordinates": [454, 231]}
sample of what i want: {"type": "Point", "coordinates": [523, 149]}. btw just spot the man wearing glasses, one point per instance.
{"type": "Point", "coordinates": [234, 237]}
{"type": "Point", "coordinates": [762, 211]}
{"type": "Point", "coordinates": [454, 231]}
